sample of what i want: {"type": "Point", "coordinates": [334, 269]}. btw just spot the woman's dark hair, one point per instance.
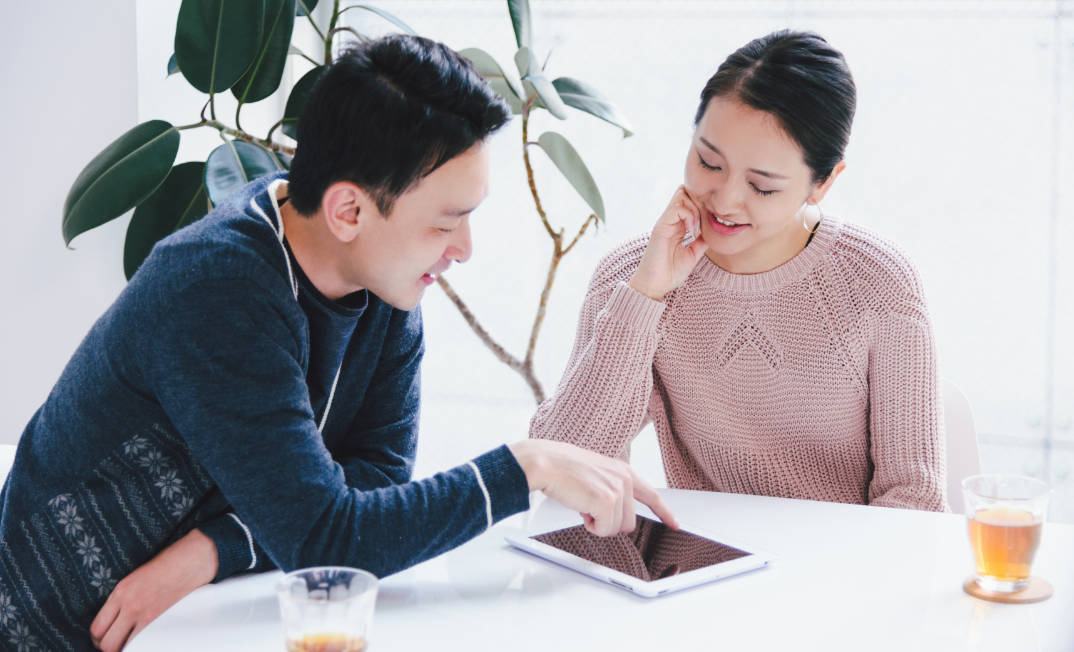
{"type": "Point", "coordinates": [387, 113]}
{"type": "Point", "coordinates": [800, 80]}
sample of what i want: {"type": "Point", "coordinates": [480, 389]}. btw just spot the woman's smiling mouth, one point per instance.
{"type": "Point", "coordinates": [724, 227]}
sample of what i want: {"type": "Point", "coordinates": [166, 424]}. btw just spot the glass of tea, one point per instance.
{"type": "Point", "coordinates": [327, 609]}
{"type": "Point", "coordinates": [1006, 516]}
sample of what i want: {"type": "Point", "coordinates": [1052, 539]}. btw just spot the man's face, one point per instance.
{"type": "Point", "coordinates": [398, 257]}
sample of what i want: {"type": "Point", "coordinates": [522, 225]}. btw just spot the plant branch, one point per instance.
{"type": "Point", "coordinates": [538, 321]}
{"type": "Point", "coordinates": [307, 58]}
{"type": "Point", "coordinates": [529, 170]}
{"type": "Point", "coordinates": [309, 15]}
{"type": "Point", "coordinates": [592, 218]}
{"type": "Point", "coordinates": [253, 140]}
{"type": "Point", "coordinates": [347, 29]}
{"type": "Point", "coordinates": [273, 130]}
{"type": "Point", "coordinates": [332, 31]}
{"type": "Point", "coordinates": [524, 369]}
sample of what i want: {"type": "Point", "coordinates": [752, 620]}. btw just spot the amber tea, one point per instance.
{"type": "Point", "coordinates": [326, 643]}
{"type": "Point", "coordinates": [1004, 543]}
{"type": "Point", "coordinates": [1006, 517]}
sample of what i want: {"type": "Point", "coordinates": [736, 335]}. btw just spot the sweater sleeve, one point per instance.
{"type": "Point", "coordinates": [601, 401]}
{"type": "Point", "coordinates": [381, 443]}
{"type": "Point", "coordinates": [907, 444]}
{"type": "Point", "coordinates": [227, 372]}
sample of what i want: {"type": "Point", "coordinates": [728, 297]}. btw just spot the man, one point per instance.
{"type": "Point", "coordinates": [251, 399]}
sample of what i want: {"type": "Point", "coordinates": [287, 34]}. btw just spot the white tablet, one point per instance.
{"type": "Point", "coordinates": [650, 561]}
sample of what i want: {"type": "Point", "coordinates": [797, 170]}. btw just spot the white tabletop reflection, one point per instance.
{"type": "Point", "coordinates": [848, 578]}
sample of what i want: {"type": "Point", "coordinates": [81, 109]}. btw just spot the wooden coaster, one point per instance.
{"type": "Point", "coordinates": [1039, 590]}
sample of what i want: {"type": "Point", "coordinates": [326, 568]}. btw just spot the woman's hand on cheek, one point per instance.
{"type": "Point", "coordinates": [666, 263]}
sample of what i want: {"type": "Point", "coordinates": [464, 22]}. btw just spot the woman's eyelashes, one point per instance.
{"type": "Point", "coordinates": [710, 168]}
{"type": "Point", "coordinates": [713, 168]}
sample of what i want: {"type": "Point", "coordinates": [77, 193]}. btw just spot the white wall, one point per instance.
{"type": "Point", "coordinates": [68, 79]}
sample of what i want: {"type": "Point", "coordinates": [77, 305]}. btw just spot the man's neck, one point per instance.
{"type": "Point", "coordinates": [317, 251]}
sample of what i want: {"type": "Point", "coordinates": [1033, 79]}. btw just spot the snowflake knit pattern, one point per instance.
{"type": "Point", "coordinates": [816, 380]}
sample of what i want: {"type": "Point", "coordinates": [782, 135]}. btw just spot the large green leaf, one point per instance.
{"type": "Point", "coordinates": [391, 18]}
{"type": "Point", "coordinates": [303, 7]}
{"type": "Point", "coordinates": [571, 165]}
{"type": "Point", "coordinates": [584, 97]}
{"type": "Point", "coordinates": [173, 67]}
{"type": "Point", "coordinates": [232, 166]}
{"type": "Point", "coordinates": [217, 40]}
{"type": "Point", "coordinates": [533, 81]}
{"type": "Point", "coordinates": [520, 20]}
{"type": "Point", "coordinates": [179, 201]}
{"type": "Point", "coordinates": [264, 75]}
{"type": "Point", "coordinates": [297, 99]}
{"type": "Point", "coordinates": [120, 177]}
{"type": "Point", "coordinates": [502, 80]}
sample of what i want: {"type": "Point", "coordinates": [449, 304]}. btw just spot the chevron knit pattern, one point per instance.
{"type": "Point", "coordinates": [815, 380]}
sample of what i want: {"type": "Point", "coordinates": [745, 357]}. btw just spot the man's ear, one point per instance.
{"type": "Point", "coordinates": [346, 207]}
{"type": "Point", "coordinates": [817, 195]}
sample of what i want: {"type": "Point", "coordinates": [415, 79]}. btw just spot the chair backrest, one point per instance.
{"type": "Point", "coordinates": [7, 458]}
{"type": "Point", "coordinates": [963, 455]}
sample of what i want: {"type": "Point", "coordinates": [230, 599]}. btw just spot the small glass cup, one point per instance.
{"type": "Point", "coordinates": [1006, 517]}
{"type": "Point", "coordinates": [327, 609]}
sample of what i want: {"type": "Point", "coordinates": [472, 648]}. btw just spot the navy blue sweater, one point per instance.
{"type": "Point", "coordinates": [187, 406]}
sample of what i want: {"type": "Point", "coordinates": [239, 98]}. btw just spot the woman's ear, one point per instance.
{"type": "Point", "coordinates": [820, 191]}
{"type": "Point", "coordinates": [346, 207]}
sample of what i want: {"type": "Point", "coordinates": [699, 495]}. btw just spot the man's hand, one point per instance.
{"type": "Point", "coordinates": [152, 588]}
{"type": "Point", "coordinates": [600, 488]}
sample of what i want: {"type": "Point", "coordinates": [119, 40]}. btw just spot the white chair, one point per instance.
{"type": "Point", "coordinates": [7, 458]}
{"type": "Point", "coordinates": [963, 454]}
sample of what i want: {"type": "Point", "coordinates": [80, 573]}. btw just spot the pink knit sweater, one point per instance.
{"type": "Point", "coordinates": [815, 380]}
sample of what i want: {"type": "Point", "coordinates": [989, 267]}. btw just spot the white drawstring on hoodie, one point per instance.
{"type": "Point", "coordinates": [291, 277]}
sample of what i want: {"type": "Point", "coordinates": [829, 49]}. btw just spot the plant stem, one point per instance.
{"type": "Point", "coordinates": [242, 135]}
{"type": "Point", "coordinates": [238, 110]}
{"type": "Point", "coordinates": [309, 15]}
{"type": "Point", "coordinates": [524, 369]}
{"type": "Point", "coordinates": [331, 33]}
{"type": "Point", "coordinates": [592, 218]}
{"type": "Point", "coordinates": [273, 130]}
{"type": "Point", "coordinates": [525, 366]}
{"type": "Point", "coordinates": [529, 168]}
{"type": "Point", "coordinates": [212, 106]}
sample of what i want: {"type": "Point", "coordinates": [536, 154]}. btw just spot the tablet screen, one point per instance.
{"type": "Point", "coordinates": [651, 552]}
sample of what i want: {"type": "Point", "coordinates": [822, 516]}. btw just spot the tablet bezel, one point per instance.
{"type": "Point", "coordinates": [756, 558]}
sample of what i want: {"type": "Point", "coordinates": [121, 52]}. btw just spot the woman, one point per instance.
{"type": "Point", "coordinates": [778, 350]}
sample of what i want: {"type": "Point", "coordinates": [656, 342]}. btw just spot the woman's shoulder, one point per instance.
{"type": "Point", "coordinates": [620, 263]}
{"type": "Point", "coordinates": [878, 265]}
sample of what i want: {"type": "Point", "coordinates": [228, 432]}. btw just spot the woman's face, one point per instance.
{"type": "Point", "coordinates": [749, 181]}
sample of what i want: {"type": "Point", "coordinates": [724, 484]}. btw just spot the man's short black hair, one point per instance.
{"type": "Point", "coordinates": [387, 113]}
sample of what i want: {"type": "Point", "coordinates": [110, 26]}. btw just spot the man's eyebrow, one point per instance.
{"type": "Point", "coordinates": [458, 213]}
{"type": "Point", "coordinates": [763, 173]}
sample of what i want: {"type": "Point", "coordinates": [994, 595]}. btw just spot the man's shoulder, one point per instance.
{"type": "Point", "coordinates": [236, 241]}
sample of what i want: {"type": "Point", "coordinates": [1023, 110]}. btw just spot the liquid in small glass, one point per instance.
{"type": "Point", "coordinates": [1005, 520]}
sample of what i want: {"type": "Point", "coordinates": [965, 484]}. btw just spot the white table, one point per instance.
{"type": "Point", "coordinates": [848, 578]}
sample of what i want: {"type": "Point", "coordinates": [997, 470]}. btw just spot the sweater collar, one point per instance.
{"type": "Point", "coordinates": [787, 273]}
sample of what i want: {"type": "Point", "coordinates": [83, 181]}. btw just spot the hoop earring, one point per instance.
{"type": "Point", "coordinates": [815, 226]}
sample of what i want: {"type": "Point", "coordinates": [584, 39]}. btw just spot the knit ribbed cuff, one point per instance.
{"type": "Point", "coordinates": [630, 307]}
{"type": "Point", "coordinates": [505, 483]}
{"type": "Point", "coordinates": [234, 545]}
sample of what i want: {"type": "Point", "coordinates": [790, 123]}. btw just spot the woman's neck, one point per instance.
{"type": "Point", "coordinates": [772, 252]}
